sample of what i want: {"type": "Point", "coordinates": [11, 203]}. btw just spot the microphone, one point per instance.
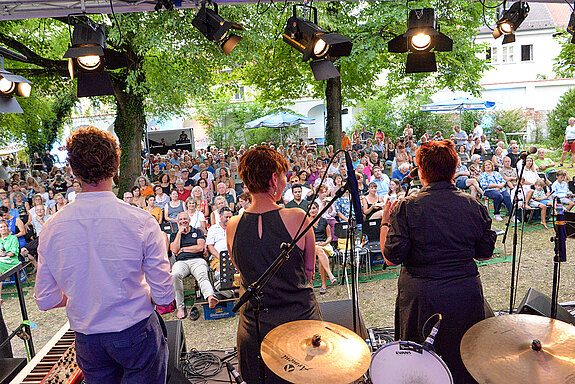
{"type": "Point", "coordinates": [560, 233]}
{"type": "Point", "coordinates": [235, 373]}
{"type": "Point", "coordinates": [410, 177]}
{"type": "Point", "coordinates": [523, 155]}
{"type": "Point", "coordinates": [353, 189]}
{"type": "Point", "coordinates": [428, 343]}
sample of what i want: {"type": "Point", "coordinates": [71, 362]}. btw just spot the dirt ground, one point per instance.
{"type": "Point", "coordinates": [376, 298]}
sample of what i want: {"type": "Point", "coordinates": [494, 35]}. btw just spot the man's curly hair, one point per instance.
{"type": "Point", "coordinates": [93, 154]}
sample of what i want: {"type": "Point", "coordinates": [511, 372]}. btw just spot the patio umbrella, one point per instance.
{"type": "Point", "coordinates": [458, 104]}
{"type": "Point", "coordinates": [279, 120]}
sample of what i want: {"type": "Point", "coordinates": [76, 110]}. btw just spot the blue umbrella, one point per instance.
{"type": "Point", "coordinates": [279, 120]}
{"type": "Point", "coordinates": [458, 104]}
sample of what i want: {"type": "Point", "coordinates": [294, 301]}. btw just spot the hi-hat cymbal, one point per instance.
{"type": "Point", "coordinates": [520, 349]}
{"type": "Point", "coordinates": [293, 352]}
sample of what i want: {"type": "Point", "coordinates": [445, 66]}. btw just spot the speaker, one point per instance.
{"type": "Point", "coordinates": [536, 303]}
{"type": "Point", "coordinates": [176, 342]}
{"type": "Point", "coordinates": [340, 312]}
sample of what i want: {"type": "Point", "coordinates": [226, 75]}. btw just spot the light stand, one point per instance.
{"type": "Point", "coordinates": [513, 212]}
{"type": "Point", "coordinates": [350, 249]}
{"type": "Point", "coordinates": [254, 290]}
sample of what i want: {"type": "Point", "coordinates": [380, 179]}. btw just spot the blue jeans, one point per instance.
{"type": "Point", "coordinates": [499, 197]}
{"type": "Point", "coordinates": [136, 355]}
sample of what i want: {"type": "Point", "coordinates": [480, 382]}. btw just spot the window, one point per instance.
{"type": "Point", "coordinates": [507, 54]}
{"type": "Point", "coordinates": [240, 94]}
{"type": "Point", "coordinates": [488, 55]}
{"type": "Point", "coordinates": [527, 52]}
{"type": "Point", "coordinates": [494, 54]}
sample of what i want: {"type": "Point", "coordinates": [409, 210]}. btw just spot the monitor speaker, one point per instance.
{"type": "Point", "coordinates": [176, 342]}
{"type": "Point", "coordinates": [339, 312]}
{"type": "Point", "coordinates": [536, 303]}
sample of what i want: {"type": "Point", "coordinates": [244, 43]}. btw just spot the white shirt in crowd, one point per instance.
{"type": "Point", "coordinates": [217, 237]}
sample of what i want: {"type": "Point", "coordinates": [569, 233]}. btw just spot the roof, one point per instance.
{"type": "Point", "coordinates": [542, 16]}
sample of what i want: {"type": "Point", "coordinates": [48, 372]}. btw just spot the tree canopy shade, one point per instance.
{"type": "Point", "coordinates": [172, 66]}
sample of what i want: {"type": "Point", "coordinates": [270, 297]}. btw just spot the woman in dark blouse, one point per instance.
{"type": "Point", "coordinates": [323, 249]}
{"type": "Point", "coordinates": [437, 235]}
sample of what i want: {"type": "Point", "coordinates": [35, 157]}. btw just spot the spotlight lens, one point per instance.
{"type": "Point", "coordinates": [506, 27]}
{"type": "Point", "coordinates": [421, 41]}
{"type": "Point", "coordinates": [6, 86]}
{"type": "Point", "coordinates": [89, 63]}
{"type": "Point", "coordinates": [24, 89]}
{"type": "Point", "coordinates": [320, 48]}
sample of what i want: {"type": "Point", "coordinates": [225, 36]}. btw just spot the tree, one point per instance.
{"type": "Point", "coordinates": [278, 74]}
{"type": "Point", "coordinates": [564, 65]}
{"type": "Point", "coordinates": [42, 123]}
{"type": "Point", "coordinates": [169, 61]}
{"type": "Point", "coordinates": [558, 118]}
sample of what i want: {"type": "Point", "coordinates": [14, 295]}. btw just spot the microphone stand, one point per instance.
{"type": "Point", "coordinates": [513, 212]}
{"type": "Point", "coordinates": [350, 249]}
{"type": "Point", "coordinates": [254, 291]}
{"type": "Point", "coordinates": [560, 255]}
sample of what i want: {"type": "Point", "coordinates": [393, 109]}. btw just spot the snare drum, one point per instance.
{"type": "Point", "coordinates": [405, 362]}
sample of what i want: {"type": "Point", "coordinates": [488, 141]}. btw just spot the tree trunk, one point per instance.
{"type": "Point", "coordinates": [129, 127]}
{"type": "Point", "coordinates": [333, 107]}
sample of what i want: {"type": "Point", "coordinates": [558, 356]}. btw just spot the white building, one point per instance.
{"type": "Point", "coordinates": [521, 74]}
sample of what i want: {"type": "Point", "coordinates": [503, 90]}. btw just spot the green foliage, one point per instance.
{"type": "Point", "coordinates": [558, 118]}
{"type": "Point", "coordinates": [40, 126]}
{"type": "Point", "coordinates": [511, 121]}
{"type": "Point", "coordinates": [422, 121]}
{"type": "Point", "coordinates": [564, 64]}
{"type": "Point", "coordinates": [225, 121]}
{"type": "Point", "coordinates": [378, 113]}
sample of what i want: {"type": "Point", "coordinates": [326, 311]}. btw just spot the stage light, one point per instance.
{"type": "Point", "coordinates": [217, 29]}
{"type": "Point", "coordinates": [510, 20]}
{"type": "Point", "coordinates": [12, 85]}
{"type": "Point", "coordinates": [421, 38]}
{"type": "Point", "coordinates": [316, 44]}
{"type": "Point", "coordinates": [88, 58]}
{"type": "Point", "coordinates": [571, 27]}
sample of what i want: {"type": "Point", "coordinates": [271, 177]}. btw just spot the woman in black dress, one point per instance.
{"type": "Point", "coordinates": [254, 239]}
{"type": "Point", "coordinates": [437, 235]}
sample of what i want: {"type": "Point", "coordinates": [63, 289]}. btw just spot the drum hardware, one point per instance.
{"type": "Point", "coordinates": [315, 352]}
{"type": "Point", "coordinates": [520, 349]}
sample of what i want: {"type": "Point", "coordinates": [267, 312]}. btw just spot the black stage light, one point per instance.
{"type": "Point", "coordinates": [510, 20]}
{"type": "Point", "coordinates": [571, 27]}
{"type": "Point", "coordinates": [88, 58]}
{"type": "Point", "coordinates": [12, 85]}
{"type": "Point", "coordinates": [316, 44]}
{"type": "Point", "coordinates": [217, 29]}
{"type": "Point", "coordinates": [422, 36]}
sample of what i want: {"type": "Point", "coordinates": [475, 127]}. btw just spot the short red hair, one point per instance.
{"type": "Point", "coordinates": [258, 165]}
{"type": "Point", "coordinates": [437, 160]}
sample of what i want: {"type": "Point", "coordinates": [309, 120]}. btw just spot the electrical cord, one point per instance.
{"type": "Point", "coordinates": [423, 333]}
{"type": "Point", "coordinates": [198, 366]}
{"type": "Point", "coordinates": [116, 20]}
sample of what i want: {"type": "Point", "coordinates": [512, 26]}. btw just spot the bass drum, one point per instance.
{"type": "Point", "coordinates": [405, 362]}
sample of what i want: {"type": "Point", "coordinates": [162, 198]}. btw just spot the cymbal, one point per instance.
{"type": "Point", "coordinates": [504, 349]}
{"type": "Point", "coordinates": [339, 356]}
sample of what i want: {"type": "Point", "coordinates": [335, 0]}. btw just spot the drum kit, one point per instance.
{"type": "Point", "coordinates": [504, 349]}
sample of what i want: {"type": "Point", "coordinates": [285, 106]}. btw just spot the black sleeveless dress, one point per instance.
{"type": "Point", "coordinates": [287, 296]}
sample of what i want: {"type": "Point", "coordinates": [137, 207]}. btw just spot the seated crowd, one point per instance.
{"type": "Point", "coordinates": [199, 193]}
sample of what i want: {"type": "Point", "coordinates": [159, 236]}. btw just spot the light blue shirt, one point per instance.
{"type": "Point", "coordinates": [560, 189]}
{"type": "Point", "coordinates": [485, 179]}
{"type": "Point", "coordinates": [382, 185]}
